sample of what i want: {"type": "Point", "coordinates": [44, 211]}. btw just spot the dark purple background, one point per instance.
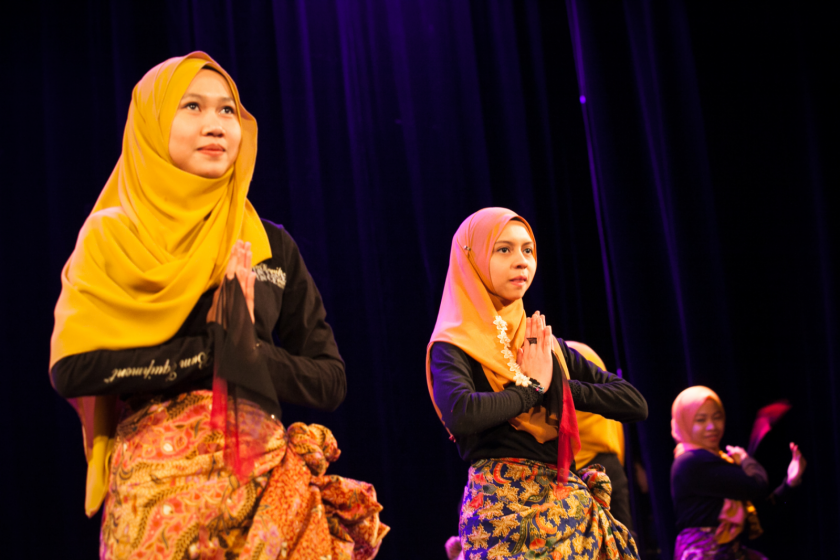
{"type": "Point", "coordinates": [706, 253]}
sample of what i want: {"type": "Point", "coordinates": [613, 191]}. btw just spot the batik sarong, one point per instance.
{"type": "Point", "coordinates": [172, 497]}
{"type": "Point", "coordinates": [513, 508]}
{"type": "Point", "coordinates": [699, 543]}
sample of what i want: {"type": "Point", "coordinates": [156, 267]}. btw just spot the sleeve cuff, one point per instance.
{"type": "Point", "coordinates": [529, 397]}
{"type": "Point", "coordinates": [575, 389]}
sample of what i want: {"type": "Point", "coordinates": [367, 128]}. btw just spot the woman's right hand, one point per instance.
{"type": "Point", "coordinates": [239, 265]}
{"type": "Point", "coordinates": [536, 360]}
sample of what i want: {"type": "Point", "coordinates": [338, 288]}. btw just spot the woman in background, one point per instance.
{"type": "Point", "coordinates": [713, 491]}
{"type": "Point", "coordinates": [163, 342]}
{"type": "Point", "coordinates": [507, 390]}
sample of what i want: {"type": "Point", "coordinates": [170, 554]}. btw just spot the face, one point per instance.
{"type": "Point", "coordinates": [513, 264]}
{"type": "Point", "coordinates": [205, 133]}
{"type": "Point", "coordinates": [707, 428]}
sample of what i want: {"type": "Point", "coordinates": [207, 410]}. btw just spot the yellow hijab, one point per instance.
{"type": "Point", "coordinates": [157, 238]}
{"type": "Point", "coordinates": [474, 319]}
{"type": "Point", "coordinates": [597, 434]}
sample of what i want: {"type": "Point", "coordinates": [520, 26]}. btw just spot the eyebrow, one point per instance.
{"type": "Point", "coordinates": [529, 242]}
{"type": "Point", "coordinates": [199, 96]}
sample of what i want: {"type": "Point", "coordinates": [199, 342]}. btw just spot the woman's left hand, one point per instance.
{"type": "Point", "coordinates": [738, 454]}
{"type": "Point", "coordinates": [796, 467]}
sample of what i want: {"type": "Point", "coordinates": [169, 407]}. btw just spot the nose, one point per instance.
{"type": "Point", "coordinates": [520, 261]}
{"type": "Point", "coordinates": [213, 126]}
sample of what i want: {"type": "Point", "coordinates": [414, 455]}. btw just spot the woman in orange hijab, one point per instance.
{"type": "Point", "coordinates": [713, 490]}
{"type": "Point", "coordinates": [163, 342]}
{"type": "Point", "coordinates": [507, 391]}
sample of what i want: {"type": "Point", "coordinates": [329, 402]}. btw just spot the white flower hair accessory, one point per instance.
{"type": "Point", "coordinates": [519, 378]}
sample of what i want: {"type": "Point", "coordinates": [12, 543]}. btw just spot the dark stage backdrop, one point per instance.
{"type": "Point", "coordinates": [684, 213]}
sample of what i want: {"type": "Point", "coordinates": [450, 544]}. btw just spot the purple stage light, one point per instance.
{"type": "Point", "coordinates": [582, 99]}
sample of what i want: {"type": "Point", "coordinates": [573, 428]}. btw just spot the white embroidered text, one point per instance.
{"type": "Point", "coordinates": [144, 372]}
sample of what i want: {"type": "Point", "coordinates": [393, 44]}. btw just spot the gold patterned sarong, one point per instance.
{"type": "Point", "coordinates": [172, 497]}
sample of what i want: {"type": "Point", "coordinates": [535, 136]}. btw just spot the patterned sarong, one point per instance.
{"type": "Point", "coordinates": [513, 508]}
{"type": "Point", "coordinates": [171, 497]}
{"type": "Point", "coordinates": [699, 543]}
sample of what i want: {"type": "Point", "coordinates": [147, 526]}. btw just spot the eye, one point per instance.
{"type": "Point", "coordinates": [529, 251]}
{"type": "Point", "coordinates": [228, 110]}
{"type": "Point", "coordinates": [503, 250]}
{"type": "Point", "coordinates": [192, 106]}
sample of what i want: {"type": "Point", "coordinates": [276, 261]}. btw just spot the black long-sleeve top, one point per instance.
{"type": "Point", "coordinates": [701, 480]}
{"type": "Point", "coordinates": [478, 417]}
{"type": "Point", "coordinates": [305, 366]}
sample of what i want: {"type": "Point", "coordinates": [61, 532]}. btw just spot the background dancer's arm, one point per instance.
{"type": "Point", "coordinates": [709, 475]}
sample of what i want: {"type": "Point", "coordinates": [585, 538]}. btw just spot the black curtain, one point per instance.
{"type": "Point", "coordinates": [683, 213]}
{"type": "Point", "coordinates": [711, 132]}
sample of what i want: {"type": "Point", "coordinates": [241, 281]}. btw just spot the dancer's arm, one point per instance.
{"type": "Point", "coordinates": [465, 411]}
{"type": "Point", "coordinates": [306, 368]}
{"type": "Point", "coordinates": [598, 391]}
{"type": "Point", "coordinates": [710, 475]}
{"type": "Point", "coordinates": [159, 368]}
{"type": "Point", "coordinates": [151, 369]}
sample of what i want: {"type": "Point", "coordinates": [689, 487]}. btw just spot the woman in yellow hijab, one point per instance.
{"type": "Point", "coordinates": [507, 391]}
{"type": "Point", "coordinates": [163, 342]}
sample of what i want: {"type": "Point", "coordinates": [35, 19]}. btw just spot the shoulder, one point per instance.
{"type": "Point", "coordinates": [568, 352]}
{"type": "Point", "coordinates": [278, 236]}
{"type": "Point", "coordinates": [446, 356]}
{"type": "Point", "coordinates": [445, 349]}
{"type": "Point", "coordinates": [284, 250]}
{"type": "Point", "coordinates": [695, 460]}
{"type": "Point", "coordinates": [100, 224]}
{"type": "Point", "coordinates": [98, 233]}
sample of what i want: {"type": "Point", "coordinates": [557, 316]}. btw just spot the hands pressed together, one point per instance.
{"type": "Point", "coordinates": [536, 360]}
{"type": "Point", "coordinates": [239, 265]}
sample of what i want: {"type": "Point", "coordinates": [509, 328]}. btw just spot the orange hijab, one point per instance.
{"type": "Point", "coordinates": [735, 514]}
{"type": "Point", "coordinates": [157, 238]}
{"type": "Point", "coordinates": [474, 319]}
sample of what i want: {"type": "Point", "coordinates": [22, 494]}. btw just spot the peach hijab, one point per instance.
{"type": "Point", "coordinates": [157, 238]}
{"type": "Point", "coordinates": [683, 410]}
{"type": "Point", "coordinates": [475, 320]}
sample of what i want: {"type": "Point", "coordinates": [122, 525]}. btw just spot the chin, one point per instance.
{"type": "Point", "coordinates": [209, 173]}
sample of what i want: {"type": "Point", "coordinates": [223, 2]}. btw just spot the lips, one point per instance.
{"type": "Point", "coordinates": [212, 149]}
{"type": "Point", "coordinates": [519, 280]}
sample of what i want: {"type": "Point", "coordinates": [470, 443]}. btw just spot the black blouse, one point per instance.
{"type": "Point", "coordinates": [700, 481]}
{"type": "Point", "coordinates": [478, 417]}
{"type": "Point", "coordinates": [295, 342]}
